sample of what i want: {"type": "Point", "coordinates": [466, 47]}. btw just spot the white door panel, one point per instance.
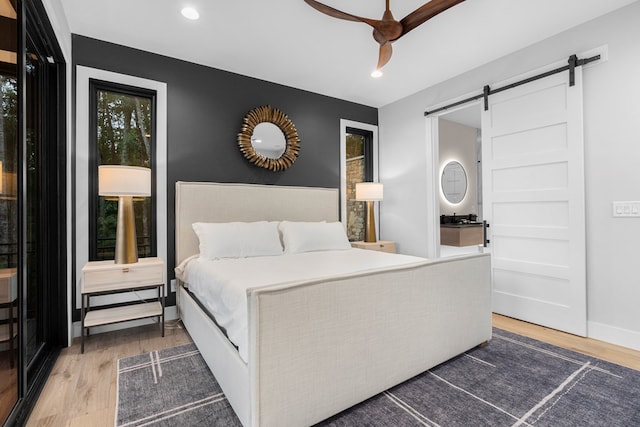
{"type": "Point", "coordinates": [542, 105]}
{"type": "Point", "coordinates": [533, 177]}
{"type": "Point", "coordinates": [530, 286]}
{"type": "Point", "coordinates": [548, 139]}
{"type": "Point", "coordinates": [533, 181]}
{"type": "Point", "coordinates": [543, 214]}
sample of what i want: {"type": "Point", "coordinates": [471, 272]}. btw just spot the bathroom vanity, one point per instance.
{"type": "Point", "coordinates": [461, 234]}
{"type": "Point", "coordinates": [460, 230]}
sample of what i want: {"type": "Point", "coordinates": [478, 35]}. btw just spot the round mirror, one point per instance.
{"type": "Point", "coordinates": [454, 182]}
{"type": "Point", "coordinates": [268, 140]}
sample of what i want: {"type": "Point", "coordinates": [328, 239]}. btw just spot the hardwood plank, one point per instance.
{"type": "Point", "coordinates": [101, 418]}
{"type": "Point", "coordinates": [81, 389]}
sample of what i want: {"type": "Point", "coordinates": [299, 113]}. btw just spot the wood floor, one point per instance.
{"type": "Point", "coordinates": [81, 390]}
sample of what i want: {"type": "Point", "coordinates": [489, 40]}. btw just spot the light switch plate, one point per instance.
{"type": "Point", "coordinates": [626, 209]}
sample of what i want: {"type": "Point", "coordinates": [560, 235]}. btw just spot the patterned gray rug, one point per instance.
{"type": "Point", "coordinates": [511, 382]}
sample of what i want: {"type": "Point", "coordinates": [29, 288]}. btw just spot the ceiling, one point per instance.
{"type": "Point", "coordinates": [288, 42]}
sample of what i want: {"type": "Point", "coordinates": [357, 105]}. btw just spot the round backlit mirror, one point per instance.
{"type": "Point", "coordinates": [268, 140]}
{"type": "Point", "coordinates": [454, 182]}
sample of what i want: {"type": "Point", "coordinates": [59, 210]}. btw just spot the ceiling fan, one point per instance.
{"type": "Point", "coordinates": [387, 29]}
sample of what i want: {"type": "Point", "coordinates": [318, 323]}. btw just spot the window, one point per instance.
{"type": "Point", "coordinates": [122, 132]}
{"type": "Point", "coordinates": [358, 163]}
{"type": "Point", "coordinates": [359, 169]}
{"type": "Point", "coordinates": [86, 167]}
{"type": "Point", "coordinates": [8, 167]}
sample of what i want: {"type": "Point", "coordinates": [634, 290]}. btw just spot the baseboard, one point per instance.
{"type": "Point", "coordinates": [170, 313]}
{"type": "Point", "coordinates": [614, 335]}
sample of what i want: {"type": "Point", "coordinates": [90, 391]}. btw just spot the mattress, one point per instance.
{"type": "Point", "coordinates": [221, 285]}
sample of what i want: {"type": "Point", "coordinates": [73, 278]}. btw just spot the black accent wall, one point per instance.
{"type": "Point", "coordinates": [205, 109]}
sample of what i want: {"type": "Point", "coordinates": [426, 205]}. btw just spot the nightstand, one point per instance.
{"type": "Point", "coordinates": [106, 277]}
{"type": "Point", "coordinates": [380, 245]}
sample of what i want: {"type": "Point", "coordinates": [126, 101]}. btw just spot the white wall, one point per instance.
{"type": "Point", "coordinates": [58, 20]}
{"type": "Point", "coordinates": [612, 159]}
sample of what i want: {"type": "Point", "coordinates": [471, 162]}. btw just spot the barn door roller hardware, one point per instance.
{"type": "Point", "coordinates": [573, 62]}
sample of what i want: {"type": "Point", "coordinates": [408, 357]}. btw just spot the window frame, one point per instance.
{"type": "Point", "coordinates": [367, 135]}
{"type": "Point", "coordinates": [80, 188]}
{"type": "Point", "coordinates": [96, 85]}
{"type": "Point", "coordinates": [353, 125]}
{"type": "Point", "coordinates": [367, 176]}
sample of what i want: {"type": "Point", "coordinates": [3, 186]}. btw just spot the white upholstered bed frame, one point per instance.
{"type": "Point", "coordinates": [319, 347]}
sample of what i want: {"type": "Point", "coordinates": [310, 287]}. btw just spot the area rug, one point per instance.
{"type": "Point", "coordinates": [511, 382]}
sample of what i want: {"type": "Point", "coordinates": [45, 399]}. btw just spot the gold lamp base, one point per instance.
{"type": "Point", "coordinates": [126, 242]}
{"type": "Point", "coordinates": [370, 230]}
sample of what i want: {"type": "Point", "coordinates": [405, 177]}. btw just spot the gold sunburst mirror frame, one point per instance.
{"type": "Point", "coordinates": [268, 114]}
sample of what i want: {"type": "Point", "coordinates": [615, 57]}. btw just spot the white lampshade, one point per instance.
{"type": "Point", "coordinates": [116, 180]}
{"type": "Point", "coordinates": [369, 191]}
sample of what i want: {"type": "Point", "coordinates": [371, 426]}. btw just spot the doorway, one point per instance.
{"type": "Point", "coordinates": [460, 181]}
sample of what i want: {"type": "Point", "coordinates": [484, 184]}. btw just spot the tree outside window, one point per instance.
{"type": "Point", "coordinates": [355, 174]}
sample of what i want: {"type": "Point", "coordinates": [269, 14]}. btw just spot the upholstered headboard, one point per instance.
{"type": "Point", "coordinates": [216, 202]}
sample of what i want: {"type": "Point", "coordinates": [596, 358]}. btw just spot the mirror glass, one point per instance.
{"type": "Point", "coordinates": [454, 182]}
{"type": "Point", "coordinates": [268, 140]}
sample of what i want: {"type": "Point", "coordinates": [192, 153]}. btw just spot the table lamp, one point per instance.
{"type": "Point", "coordinates": [369, 192]}
{"type": "Point", "coordinates": [8, 181]}
{"type": "Point", "coordinates": [125, 183]}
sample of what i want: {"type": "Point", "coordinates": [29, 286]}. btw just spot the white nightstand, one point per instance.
{"type": "Point", "coordinates": [380, 245]}
{"type": "Point", "coordinates": [106, 277]}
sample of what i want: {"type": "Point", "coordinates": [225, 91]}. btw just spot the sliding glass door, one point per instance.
{"type": "Point", "coordinates": [33, 325]}
{"type": "Point", "coordinates": [9, 325]}
{"type": "Point", "coordinates": [35, 90]}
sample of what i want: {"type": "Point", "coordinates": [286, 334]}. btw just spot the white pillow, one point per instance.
{"type": "Point", "coordinates": [238, 239]}
{"type": "Point", "coordinates": [313, 236]}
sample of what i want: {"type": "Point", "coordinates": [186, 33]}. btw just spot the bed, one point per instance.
{"type": "Point", "coordinates": [318, 346]}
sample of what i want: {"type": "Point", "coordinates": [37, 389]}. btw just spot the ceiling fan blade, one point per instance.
{"type": "Point", "coordinates": [424, 13]}
{"type": "Point", "coordinates": [335, 13]}
{"type": "Point", "coordinates": [385, 55]}
{"type": "Point", "coordinates": [328, 10]}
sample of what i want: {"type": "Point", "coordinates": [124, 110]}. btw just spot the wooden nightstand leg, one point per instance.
{"type": "Point", "coordinates": [82, 325]}
{"type": "Point", "coordinates": [88, 309]}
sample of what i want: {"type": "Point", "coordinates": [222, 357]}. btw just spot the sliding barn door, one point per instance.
{"type": "Point", "coordinates": [533, 189]}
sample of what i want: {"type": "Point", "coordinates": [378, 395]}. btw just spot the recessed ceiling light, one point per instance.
{"type": "Point", "coordinates": [190, 13]}
{"type": "Point", "coordinates": [376, 74]}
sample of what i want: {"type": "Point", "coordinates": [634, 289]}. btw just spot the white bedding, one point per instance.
{"type": "Point", "coordinates": [221, 285]}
